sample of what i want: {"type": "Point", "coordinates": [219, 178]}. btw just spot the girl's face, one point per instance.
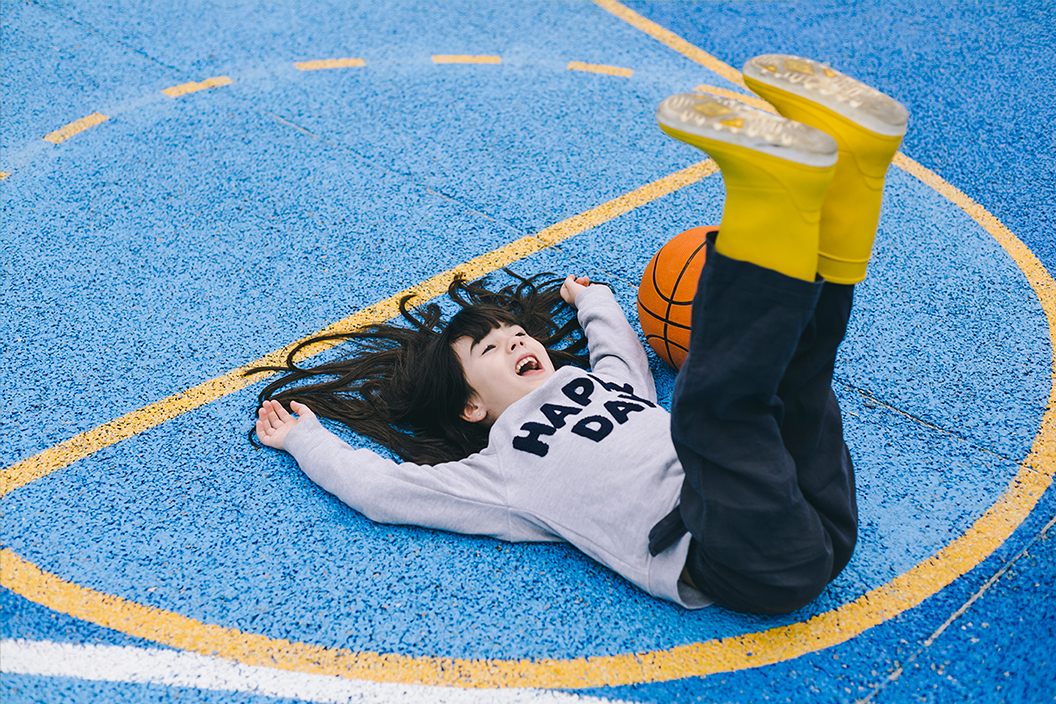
{"type": "Point", "coordinates": [501, 369]}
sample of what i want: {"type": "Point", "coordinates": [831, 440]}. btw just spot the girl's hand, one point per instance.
{"type": "Point", "coordinates": [274, 422]}
{"type": "Point", "coordinates": [572, 287]}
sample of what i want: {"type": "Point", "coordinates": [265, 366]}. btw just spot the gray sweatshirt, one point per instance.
{"type": "Point", "coordinates": [585, 458]}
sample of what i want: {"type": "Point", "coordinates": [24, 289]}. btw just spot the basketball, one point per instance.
{"type": "Point", "coordinates": [665, 296]}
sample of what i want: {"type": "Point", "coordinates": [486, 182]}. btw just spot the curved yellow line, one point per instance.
{"type": "Point", "coordinates": [76, 127]}
{"type": "Point", "coordinates": [319, 64]}
{"type": "Point", "coordinates": [603, 69]}
{"type": "Point", "coordinates": [84, 444]}
{"type": "Point", "coordinates": [192, 87]}
{"type": "Point", "coordinates": [672, 40]}
{"type": "Point", "coordinates": [465, 59]}
{"type": "Point", "coordinates": [1034, 477]}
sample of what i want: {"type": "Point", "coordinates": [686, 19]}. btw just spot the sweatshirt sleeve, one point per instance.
{"type": "Point", "coordinates": [467, 496]}
{"type": "Point", "coordinates": [615, 350]}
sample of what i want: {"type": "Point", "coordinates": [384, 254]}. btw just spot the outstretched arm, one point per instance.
{"type": "Point", "coordinates": [274, 422]}
{"type": "Point", "coordinates": [468, 496]}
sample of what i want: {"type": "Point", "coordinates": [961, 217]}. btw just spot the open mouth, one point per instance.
{"type": "Point", "coordinates": [528, 364]}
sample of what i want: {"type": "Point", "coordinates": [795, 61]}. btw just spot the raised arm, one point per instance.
{"type": "Point", "coordinates": [615, 350]}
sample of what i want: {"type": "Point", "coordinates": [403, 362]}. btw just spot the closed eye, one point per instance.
{"type": "Point", "coordinates": [487, 349]}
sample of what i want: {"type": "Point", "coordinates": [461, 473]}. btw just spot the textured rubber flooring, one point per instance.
{"type": "Point", "coordinates": [183, 195]}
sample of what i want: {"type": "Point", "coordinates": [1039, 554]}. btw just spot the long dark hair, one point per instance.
{"type": "Point", "coordinates": [403, 385]}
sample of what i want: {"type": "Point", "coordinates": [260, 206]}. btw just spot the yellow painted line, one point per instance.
{"type": "Point", "coordinates": [673, 41]}
{"type": "Point", "coordinates": [185, 88]}
{"type": "Point", "coordinates": [329, 63]}
{"type": "Point", "coordinates": [465, 59]}
{"type": "Point", "coordinates": [76, 127]}
{"type": "Point", "coordinates": [84, 444]}
{"type": "Point", "coordinates": [1040, 280]}
{"type": "Point", "coordinates": [600, 68]}
{"type": "Point", "coordinates": [774, 645]}
{"type": "Point", "coordinates": [754, 101]}
{"type": "Point", "coordinates": [719, 655]}
{"type": "Point", "coordinates": [1034, 477]}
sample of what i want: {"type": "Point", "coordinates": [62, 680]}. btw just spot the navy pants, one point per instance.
{"type": "Point", "coordinates": [769, 488]}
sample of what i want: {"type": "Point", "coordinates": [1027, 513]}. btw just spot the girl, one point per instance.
{"type": "Point", "coordinates": [544, 453]}
{"type": "Point", "coordinates": [745, 494]}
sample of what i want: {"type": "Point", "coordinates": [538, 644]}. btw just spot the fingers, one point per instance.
{"type": "Point", "coordinates": [267, 419]}
{"type": "Point", "coordinates": [265, 430]}
{"type": "Point", "coordinates": [301, 409]}
{"type": "Point", "coordinates": [271, 416]}
{"type": "Point", "coordinates": [274, 422]}
{"type": "Point", "coordinates": [278, 411]}
{"type": "Point", "coordinates": [572, 286]}
{"type": "Point", "coordinates": [566, 291]}
{"type": "Point", "coordinates": [273, 419]}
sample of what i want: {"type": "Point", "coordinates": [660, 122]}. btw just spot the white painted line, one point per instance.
{"type": "Point", "coordinates": [172, 668]}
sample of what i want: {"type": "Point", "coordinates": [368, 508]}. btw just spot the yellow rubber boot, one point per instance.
{"type": "Point", "coordinates": [868, 127]}
{"type": "Point", "coordinates": [776, 173]}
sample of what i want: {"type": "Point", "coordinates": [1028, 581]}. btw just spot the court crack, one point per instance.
{"type": "Point", "coordinates": [900, 668]}
{"type": "Point", "coordinates": [410, 175]}
{"type": "Point", "coordinates": [872, 401]}
{"type": "Point", "coordinates": [105, 37]}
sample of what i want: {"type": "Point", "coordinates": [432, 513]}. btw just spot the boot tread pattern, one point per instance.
{"type": "Point", "coordinates": [846, 96]}
{"type": "Point", "coordinates": [724, 120]}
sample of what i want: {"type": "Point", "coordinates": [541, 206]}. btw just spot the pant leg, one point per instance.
{"type": "Point", "coordinates": [812, 430]}
{"type": "Point", "coordinates": [760, 544]}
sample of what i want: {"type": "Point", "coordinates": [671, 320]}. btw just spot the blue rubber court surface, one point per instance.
{"type": "Point", "coordinates": [188, 189]}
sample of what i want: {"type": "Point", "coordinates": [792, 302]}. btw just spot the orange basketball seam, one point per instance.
{"type": "Point", "coordinates": [684, 248]}
{"type": "Point", "coordinates": [674, 291]}
{"type": "Point", "coordinates": [684, 349]}
{"type": "Point", "coordinates": [659, 293]}
{"type": "Point", "coordinates": [660, 317]}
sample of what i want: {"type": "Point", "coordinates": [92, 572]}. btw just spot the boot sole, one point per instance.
{"type": "Point", "coordinates": [723, 120]}
{"type": "Point", "coordinates": [832, 90]}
